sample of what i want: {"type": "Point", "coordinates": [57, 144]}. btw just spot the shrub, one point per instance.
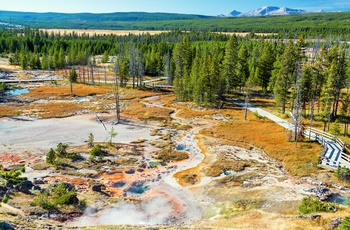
{"type": "Point", "coordinates": [62, 149]}
{"type": "Point", "coordinates": [43, 200]}
{"type": "Point", "coordinates": [343, 174]}
{"type": "Point", "coordinates": [2, 87]}
{"type": "Point", "coordinates": [96, 151]}
{"type": "Point", "coordinates": [51, 157]}
{"type": "Point", "coordinates": [12, 176]}
{"type": "Point", "coordinates": [311, 205]}
{"type": "Point", "coordinates": [345, 224]}
{"type": "Point", "coordinates": [90, 140]}
{"type": "Point", "coordinates": [257, 115]}
{"type": "Point", "coordinates": [335, 130]}
{"type": "Point", "coordinates": [61, 195]}
{"type": "Point", "coordinates": [6, 199]}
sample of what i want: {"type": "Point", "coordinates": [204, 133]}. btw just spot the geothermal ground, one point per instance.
{"type": "Point", "coordinates": [168, 166]}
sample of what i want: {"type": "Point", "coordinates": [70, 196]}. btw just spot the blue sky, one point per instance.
{"type": "Point", "coordinates": [205, 7]}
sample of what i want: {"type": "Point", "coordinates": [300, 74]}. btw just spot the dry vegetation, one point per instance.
{"type": "Point", "coordinates": [103, 32]}
{"type": "Point", "coordinates": [170, 155]}
{"type": "Point", "coordinates": [82, 90]}
{"type": "Point", "coordinates": [234, 207]}
{"type": "Point", "coordinates": [221, 165]}
{"type": "Point", "coordinates": [298, 160]}
{"type": "Point", "coordinates": [136, 109]}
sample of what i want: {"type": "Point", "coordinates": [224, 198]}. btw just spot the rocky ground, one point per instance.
{"type": "Point", "coordinates": [217, 185]}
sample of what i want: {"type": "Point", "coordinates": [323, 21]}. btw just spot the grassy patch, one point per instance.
{"type": "Point", "coordinates": [56, 109]}
{"type": "Point", "coordinates": [190, 178]}
{"type": "Point", "coordinates": [169, 155]}
{"type": "Point", "coordinates": [9, 111]}
{"type": "Point", "coordinates": [126, 161]}
{"type": "Point", "coordinates": [219, 166]}
{"type": "Point", "coordinates": [239, 179]}
{"type": "Point", "coordinates": [298, 160]}
{"type": "Point", "coordinates": [82, 90]}
{"type": "Point", "coordinates": [136, 109]}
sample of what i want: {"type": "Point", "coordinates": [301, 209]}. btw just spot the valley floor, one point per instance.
{"type": "Point", "coordinates": [223, 182]}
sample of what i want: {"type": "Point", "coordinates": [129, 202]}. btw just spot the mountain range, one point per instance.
{"type": "Point", "coordinates": [267, 11]}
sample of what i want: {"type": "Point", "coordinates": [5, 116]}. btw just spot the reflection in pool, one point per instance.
{"type": "Point", "coordinates": [16, 92]}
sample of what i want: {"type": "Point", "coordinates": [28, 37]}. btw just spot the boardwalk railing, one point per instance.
{"type": "Point", "coordinates": [345, 158]}
{"type": "Point", "coordinates": [332, 154]}
{"type": "Point", "coordinates": [324, 135]}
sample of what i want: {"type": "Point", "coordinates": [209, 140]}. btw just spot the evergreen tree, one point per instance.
{"type": "Point", "coordinates": [61, 62]}
{"type": "Point", "coordinates": [285, 76]}
{"type": "Point", "coordinates": [44, 62]}
{"type": "Point", "coordinates": [182, 59]}
{"type": "Point", "coordinates": [265, 66]}
{"type": "Point", "coordinates": [105, 57]}
{"type": "Point", "coordinates": [229, 70]}
{"type": "Point", "coordinates": [73, 77]}
{"type": "Point", "coordinates": [242, 65]}
{"type": "Point", "coordinates": [51, 157]}
{"type": "Point", "coordinates": [24, 61]}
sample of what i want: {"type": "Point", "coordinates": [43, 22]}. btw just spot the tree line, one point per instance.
{"type": "Point", "coordinates": [314, 24]}
{"type": "Point", "coordinates": [203, 67]}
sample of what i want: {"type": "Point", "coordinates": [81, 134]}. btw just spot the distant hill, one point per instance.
{"type": "Point", "coordinates": [266, 11]}
{"type": "Point", "coordinates": [314, 23]}
{"type": "Point", "coordinates": [75, 20]}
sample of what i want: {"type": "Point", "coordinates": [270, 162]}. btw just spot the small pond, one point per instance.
{"type": "Point", "coordinates": [181, 147]}
{"type": "Point", "coordinates": [339, 199]}
{"type": "Point", "coordinates": [157, 163]}
{"type": "Point", "coordinates": [16, 92]}
{"type": "Point", "coordinates": [83, 98]}
{"type": "Point", "coordinates": [118, 184]}
{"type": "Point", "coordinates": [137, 188]}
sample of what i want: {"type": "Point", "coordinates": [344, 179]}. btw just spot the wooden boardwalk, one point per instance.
{"type": "Point", "coordinates": [332, 155]}
{"type": "Point", "coordinates": [151, 84]}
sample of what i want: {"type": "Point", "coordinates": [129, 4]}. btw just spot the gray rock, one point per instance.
{"type": "Point", "coordinates": [332, 208]}
{"type": "Point", "coordinates": [15, 167]}
{"type": "Point", "coordinates": [326, 175]}
{"type": "Point", "coordinates": [97, 187]}
{"type": "Point", "coordinates": [311, 217]}
{"type": "Point", "coordinates": [323, 193]}
{"type": "Point", "coordinates": [315, 216]}
{"type": "Point", "coordinates": [335, 223]}
{"type": "Point", "coordinates": [3, 191]}
{"type": "Point", "coordinates": [24, 187]}
{"type": "Point", "coordinates": [38, 181]}
{"type": "Point", "coordinates": [6, 226]}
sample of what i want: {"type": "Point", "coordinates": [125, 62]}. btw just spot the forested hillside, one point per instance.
{"type": "Point", "coordinates": [204, 67]}
{"type": "Point", "coordinates": [314, 24]}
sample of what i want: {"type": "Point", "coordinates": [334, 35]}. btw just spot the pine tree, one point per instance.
{"type": "Point", "coordinates": [61, 62]}
{"type": "Point", "coordinates": [230, 63]}
{"type": "Point", "coordinates": [51, 157]}
{"type": "Point", "coordinates": [242, 65]}
{"type": "Point", "coordinates": [44, 62]}
{"type": "Point", "coordinates": [285, 76]}
{"type": "Point", "coordinates": [182, 57]}
{"type": "Point", "coordinates": [105, 57]}
{"type": "Point", "coordinates": [24, 61]}
{"type": "Point", "coordinates": [265, 66]}
{"type": "Point", "coordinates": [73, 77]}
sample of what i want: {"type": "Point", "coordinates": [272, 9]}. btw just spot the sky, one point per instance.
{"type": "Point", "coordinates": [203, 7]}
